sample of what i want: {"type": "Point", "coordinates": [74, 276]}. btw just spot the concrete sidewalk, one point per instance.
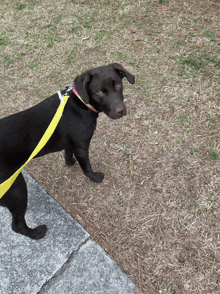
{"type": "Point", "coordinates": [65, 261]}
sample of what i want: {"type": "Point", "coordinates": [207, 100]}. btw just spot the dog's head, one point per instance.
{"type": "Point", "coordinates": [102, 88]}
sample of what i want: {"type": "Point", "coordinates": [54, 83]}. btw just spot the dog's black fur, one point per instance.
{"type": "Point", "coordinates": [20, 133]}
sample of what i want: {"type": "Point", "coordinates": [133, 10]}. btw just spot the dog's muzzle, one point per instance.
{"type": "Point", "coordinates": [118, 112]}
{"type": "Point", "coordinates": [121, 111]}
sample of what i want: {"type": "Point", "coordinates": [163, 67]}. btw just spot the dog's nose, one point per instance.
{"type": "Point", "coordinates": [121, 111]}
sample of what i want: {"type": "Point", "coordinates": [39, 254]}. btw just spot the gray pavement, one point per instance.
{"type": "Point", "coordinates": [65, 261]}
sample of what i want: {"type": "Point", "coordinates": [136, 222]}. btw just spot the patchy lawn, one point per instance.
{"type": "Point", "coordinates": [157, 213]}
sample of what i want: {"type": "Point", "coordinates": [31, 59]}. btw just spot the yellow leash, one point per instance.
{"type": "Point", "coordinates": [5, 186]}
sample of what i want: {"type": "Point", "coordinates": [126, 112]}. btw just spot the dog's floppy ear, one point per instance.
{"type": "Point", "coordinates": [81, 84]}
{"type": "Point", "coordinates": [123, 72]}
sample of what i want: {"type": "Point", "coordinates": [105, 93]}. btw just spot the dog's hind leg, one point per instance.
{"type": "Point", "coordinates": [16, 201]}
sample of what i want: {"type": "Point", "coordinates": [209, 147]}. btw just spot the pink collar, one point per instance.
{"type": "Point", "coordinates": [88, 105]}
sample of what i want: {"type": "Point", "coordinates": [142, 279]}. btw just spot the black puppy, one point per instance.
{"type": "Point", "coordinates": [20, 133]}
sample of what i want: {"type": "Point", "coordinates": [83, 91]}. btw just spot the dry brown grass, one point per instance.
{"type": "Point", "coordinates": [157, 211]}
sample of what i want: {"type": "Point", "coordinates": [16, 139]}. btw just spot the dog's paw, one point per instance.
{"type": "Point", "coordinates": [35, 234]}
{"type": "Point", "coordinates": [97, 177]}
{"type": "Point", "coordinates": [70, 161]}
{"type": "Point", "coordinates": [38, 233]}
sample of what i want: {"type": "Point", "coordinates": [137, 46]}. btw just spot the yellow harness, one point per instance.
{"type": "Point", "coordinates": [5, 186]}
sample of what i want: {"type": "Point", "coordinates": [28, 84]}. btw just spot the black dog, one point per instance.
{"type": "Point", "coordinates": [20, 133]}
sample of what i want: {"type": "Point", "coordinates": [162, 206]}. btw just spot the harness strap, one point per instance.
{"type": "Point", "coordinates": [5, 186]}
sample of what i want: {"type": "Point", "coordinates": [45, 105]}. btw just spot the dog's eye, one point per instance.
{"type": "Point", "coordinates": [118, 87]}
{"type": "Point", "coordinates": [100, 93]}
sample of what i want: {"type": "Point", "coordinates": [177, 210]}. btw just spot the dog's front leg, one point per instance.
{"type": "Point", "coordinates": [82, 156]}
{"type": "Point", "coordinates": [69, 159]}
